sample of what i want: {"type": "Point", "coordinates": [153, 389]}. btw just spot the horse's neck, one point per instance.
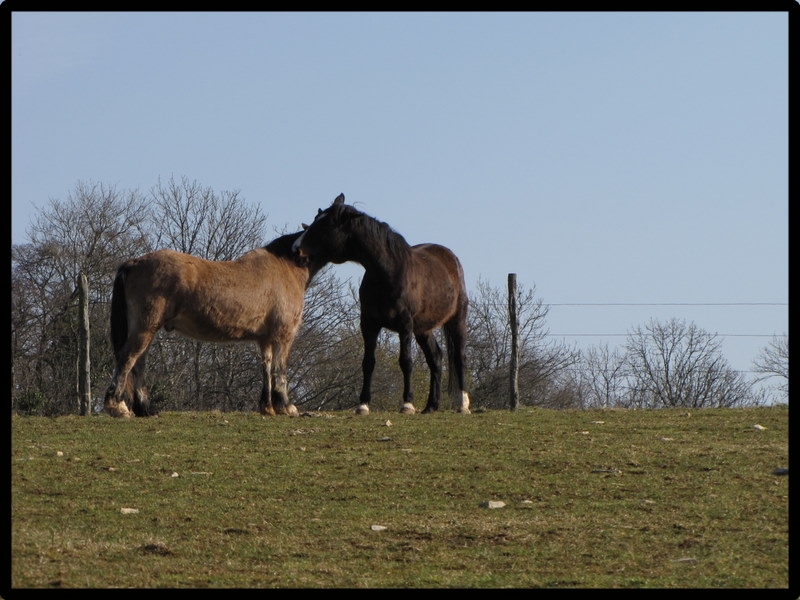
{"type": "Point", "coordinates": [310, 272]}
{"type": "Point", "coordinates": [302, 274]}
{"type": "Point", "coordinates": [382, 259]}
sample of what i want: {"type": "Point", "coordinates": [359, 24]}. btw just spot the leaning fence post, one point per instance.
{"type": "Point", "coordinates": [513, 389]}
{"type": "Point", "coordinates": [84, 372]}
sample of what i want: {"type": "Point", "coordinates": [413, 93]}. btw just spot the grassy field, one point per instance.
{"type": "Point", "coordinates": [591, 499]}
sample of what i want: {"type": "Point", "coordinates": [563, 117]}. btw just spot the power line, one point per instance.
{"type": "Point", "coordinates": [667, 304]}
{"type": "Point", "coordinates": [743, 371]}
{"type": "Point", "coordinates": [724, 335]}
{"type": "Point", "coordinates": [625, 334]}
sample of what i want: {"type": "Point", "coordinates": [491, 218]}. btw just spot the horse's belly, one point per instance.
{"type": "Point", "coordinates": [208, 332]}
{"type": "Point", "coordinates": [205, 329]}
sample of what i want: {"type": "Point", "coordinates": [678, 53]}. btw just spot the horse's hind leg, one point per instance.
{"type": "Point", "coordinates": [433, 356]}
{"type": "Point", "coordinates": [141, 398]}
{"type": "Point", "coordinates": [122, 390]}
{"type": "Point", "coordinates": [455, 332]}
{"type": "Point", "coordinates": [115, 401]}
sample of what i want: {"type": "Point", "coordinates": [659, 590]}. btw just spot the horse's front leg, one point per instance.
{"type": "Point", "coordinates": [265, 402]}
{"type": "Point", "coordinates": [406, 366]}
{"type": "Point", "coordinates": [369, 332]}
{"type": "Point", "coordinates": [280, 383]}
{"type": "Point", "coordinates": [433, 356]}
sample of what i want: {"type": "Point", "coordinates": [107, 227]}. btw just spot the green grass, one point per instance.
{"type": "Point", "coordinates": [593, 499]}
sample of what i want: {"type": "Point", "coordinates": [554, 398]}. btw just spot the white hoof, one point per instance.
{"type": "Point", "coordinates": [362, 409]}
{"type": "Point", "coordinates": [407, 409]}
{"type": "Point", "coordinates": [464, 408]}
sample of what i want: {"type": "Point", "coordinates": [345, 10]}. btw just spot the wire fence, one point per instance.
{"type": "Point", "coordinates": [616, 334]}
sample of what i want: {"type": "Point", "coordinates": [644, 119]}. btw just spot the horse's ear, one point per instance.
{"type": "Point", "coordinates": [304, 226]}
{"type": "Point", "coordinates": [339, 199]}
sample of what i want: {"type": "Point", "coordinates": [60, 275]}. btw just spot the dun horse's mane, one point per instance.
{"type": "Point", "coordinates": [282, 246]}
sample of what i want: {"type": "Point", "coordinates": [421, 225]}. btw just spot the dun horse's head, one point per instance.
{"type": "Point", "coordinates": [326, 238]}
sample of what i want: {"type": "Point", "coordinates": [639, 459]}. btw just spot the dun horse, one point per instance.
{"type": "Point", "coordinates": [412, 290]}
{"type": "Point", "coordinates": [257, 297]}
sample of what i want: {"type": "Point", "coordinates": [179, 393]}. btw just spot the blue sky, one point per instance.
{"type": "Point", "coordinates": [622, 158]}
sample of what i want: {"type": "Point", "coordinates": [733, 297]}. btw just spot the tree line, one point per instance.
{"type": "Point", "coordinates": [97, 227]}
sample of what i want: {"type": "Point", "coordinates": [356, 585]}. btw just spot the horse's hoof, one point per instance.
{"type": "Point", "coordinates": [292, 411]}
{"type": "Point", "coordinates": [118, 409]}
{"type": "Point", "coordinates": [362, 409]}
{"type": "Point", "coordinates": [464, 411]}
{"type": "Point", "coordinates": [407, 409]}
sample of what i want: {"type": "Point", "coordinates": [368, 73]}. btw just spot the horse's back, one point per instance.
{"type": "Point", "coordinates": [256, 295]}
{"type": "Point", "coordinates": [177, 272]}
{"type": "Point", "coordinates": [162, 271]}
{"type": "Point", "coordinates": [437, 264]}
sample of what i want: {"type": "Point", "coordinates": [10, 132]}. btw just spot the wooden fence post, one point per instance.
{"type": "Point", "coordinates": [84, 373]}
{"type": "Point", "coordinates": [513, 390]}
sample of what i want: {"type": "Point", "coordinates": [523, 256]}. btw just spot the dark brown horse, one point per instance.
{"type": "Point", "coordinates": [412, 290]}
{"type": "Point", "coordinates": [257, 297]}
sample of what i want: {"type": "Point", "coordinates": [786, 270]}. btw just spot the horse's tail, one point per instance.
{"type": "Point", "coordinates": [120, 327]}
{"type": "Point", "coordinates": [455, 338]}
{"type": "Point", "coordinates": [451, 366]}
{"type": "Point", "coordinates": [455, 334]}
{"type": "Point", "coordinates": [119, 313]}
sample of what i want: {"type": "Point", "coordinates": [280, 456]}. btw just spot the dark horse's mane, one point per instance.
{"type": "Point", "coordinates": [373, 233]}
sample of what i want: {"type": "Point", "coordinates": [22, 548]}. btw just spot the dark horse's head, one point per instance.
{"type": "Point", "coordinates": [328, 235]}
{"type": "Point", "coordinates": [283, 247]}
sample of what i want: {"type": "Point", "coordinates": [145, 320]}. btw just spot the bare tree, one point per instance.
{"type": "Point", "coordinates": [773, 361]}
{"type": "Point", "coordinates": [603, 376]}
{"type": "Point", "coordinates": [90, 232]}
{"type": "Point", "coordinates": [325, 362]}
{"type": "Point", "coordinates": [197, 220]}
{"type": "Point", "coordinates": [33, 276]}
{"type": "Point", "coordinates": [678, 365]}
{"type": "Point", "coordinates": [86, 233]}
